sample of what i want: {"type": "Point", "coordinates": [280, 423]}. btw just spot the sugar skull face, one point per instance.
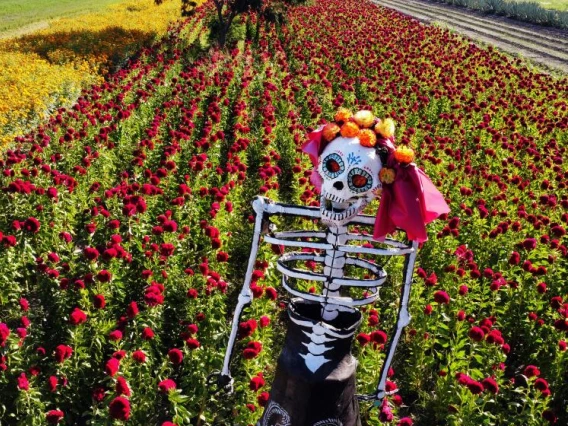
{"type": "Point", "coordinates": [350, 174]}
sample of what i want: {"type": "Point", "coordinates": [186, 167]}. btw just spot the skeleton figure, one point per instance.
{"type": "Point", "coordinates": [315, 378]}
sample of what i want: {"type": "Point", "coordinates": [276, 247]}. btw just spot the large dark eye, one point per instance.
{"type": "Point", "coordinates": [359, 180]}
{"type": "Point", "coordinates": [333, 165]}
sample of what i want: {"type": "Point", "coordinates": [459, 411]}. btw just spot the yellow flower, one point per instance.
{"type": "Point", "coordinates": [385, 127]}
{"type": "Point", "coordinates": [387, 176]}
{"type": "Point", "coordinates": [404, 154]}
{"type": "Point", "coordinates": [349, 130]}
{"type": "Point", "coordinates": [342, 115]}
{"type": "Point", "coordinates": [330, 131]}
{"type": "Point", "coordinates": [364, 118]}
{"type": "Point", "coordinates": [367, 138]}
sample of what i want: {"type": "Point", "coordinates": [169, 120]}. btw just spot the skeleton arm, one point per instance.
{"type": "Point", "coordinates": [402, 321]}
{"type": "Point", "coordinates": [263, 208]}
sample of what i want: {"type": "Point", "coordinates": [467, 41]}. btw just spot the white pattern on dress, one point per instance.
{"type": "Point", "coordinates": [329, 422]}
{"type": "Point", "coordinates": [273, 409]}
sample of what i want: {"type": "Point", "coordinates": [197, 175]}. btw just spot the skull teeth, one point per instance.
{"type": "Point", "coordinates": [339, 212]}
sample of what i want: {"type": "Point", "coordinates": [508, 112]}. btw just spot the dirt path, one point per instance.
{"type": "Point", "coordinates": [26, 29]}
{"type": "Point", "coordinates": [547, 47]}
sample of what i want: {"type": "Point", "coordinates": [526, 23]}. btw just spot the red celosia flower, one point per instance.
{"type": "Point", "coordinates": [263, 398]}
{"type": "Point", "coordinates": [192, 343]}
{"type": "Point", "coordinates": [139, 356]}
{"type": "Point", "coordinates": [252, 350]}
{"type": "Point", "coordinates": [119, 355]}
{"type": "Point", "coordinates": [22, 382]}
{"type": "Point", "coordinates": [52, 383]}
{"type": "Point", "coordinates": [271, 293]}
{"type": "Point", "coordinates": [54, 416]}
{"type": "Point", "coordinates": [166, 385]}
{"type": "Point", "coordinates": [104, 276]}
{"type": "Point", "coordinates": [246, 328]}
{"type": "Point", "coordinates": [63, 352]}
{"type": "Point", "coordinates": [474, 387]}
{"type": "Point", "coordinates": [167, 249]}
{"type": "Point", "coordinates": [31, 224]}
{"type": "Point", "coordinates": [256, 382]}
{"type": "Point", "coordinates": [115, 335]}
{"type": "Point", "coordinates": [122, 387]}
{"type": "Point", "coordinates": [442, 297]}
{"type": "Point", "coordinates": [112, 366]}
{"type": "Point", "coordinates": [531, 371]}
{"type": "Point", "coordinates": [541, 384]}
{"type": "Point", "coordinates": [222, 256]}
{"type": "Point", "coordinates": [4, 333]}
{"type": "Point", "coordinates": [476, 334]}
{"type": "Point", "coordinates": [264, 321]}
{"type": "Point", "coordinates": [379, 337]}
{"type": "Point", "coordinates": [99, 301]}
{"type": "Point", "coordinates": [147, 333]}
{"type": "Point", "coordinates": [431, 280]}
{"type": "Point", "coordinates": [363, 338]}
{"type": "Point", "coordinates": [132, 310]}
{"type": "Point", "coordinates": [489, 384]}
{"type": "Point", "coordinates": [77, 317]}
{"type": "Point", "coordinates": [175, 356]}
{"type": "Point", "coordinates": [119, 408]}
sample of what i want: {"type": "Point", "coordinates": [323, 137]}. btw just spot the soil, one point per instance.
{"type": "Point", "coordinates": [26, 29]}
{"type": "Point", "coordinates": [546, 47]}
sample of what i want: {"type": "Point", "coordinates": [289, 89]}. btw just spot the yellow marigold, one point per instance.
{"type": "Point", "coordinates": [349, 130]}
{"type": "Point", "coordinates": [342, 115]}
{"type": "Point", "coordinates": [385, 127]}
{"type": "Point", "coordinates": [404, 154]}
{"type": "Point", "coordinates": [387, 175]}
{"type": "Point", "coordinates": [367, 138]}
{"type": "Point", "coordinates": [364, 119]}
{"type": "Point", "coordinates": [330, 131]}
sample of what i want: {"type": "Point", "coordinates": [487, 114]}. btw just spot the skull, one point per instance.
{"type": "Point", "coordinates": [350, 174]}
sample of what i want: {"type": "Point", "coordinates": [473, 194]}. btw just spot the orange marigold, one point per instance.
{"type": "Point", "coordinates": [367, 138]}
{"type": "Point", "coordinates": [330, 131]}
{"type": "Point", "coordinates": [364, 118]}
{"type": "Point", "coordinates": [342, 115]}
{"type": "Point", "coordinates": [385, 127]}
{"type": "Point", "coordinates": [387, 175]}
{"type": "Point", "coordinates": [404, 154]}
{"type": "Point", "coordinates": [349, 130]}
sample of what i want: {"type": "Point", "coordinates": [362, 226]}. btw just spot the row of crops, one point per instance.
{"type": "Point", "coordinates": [126, 225]}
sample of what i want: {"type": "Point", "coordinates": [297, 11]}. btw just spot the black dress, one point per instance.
{"type": "Point", "coordinates": [314, 383]}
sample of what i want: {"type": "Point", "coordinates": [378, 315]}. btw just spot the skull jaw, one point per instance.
{"type": "Point", "coordinates": [335, 213]}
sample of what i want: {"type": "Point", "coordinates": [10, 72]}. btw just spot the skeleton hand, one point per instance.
{"type": "Point", "coordinates": [217, 382]}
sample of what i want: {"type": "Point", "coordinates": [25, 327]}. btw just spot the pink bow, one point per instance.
{"type": "Point", "coordinates": [314, 147]}
{"type": "Point", "coordinates": [409, 203]}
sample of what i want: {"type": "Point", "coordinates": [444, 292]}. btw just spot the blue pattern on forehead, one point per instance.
{"type": "Point", "coordinates": [353, 159]}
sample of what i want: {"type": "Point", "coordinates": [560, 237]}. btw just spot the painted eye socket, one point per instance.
{"type": "Point", "coordinates": [333, 165]}
{"type": "Point", "coordinates": [359, 180]}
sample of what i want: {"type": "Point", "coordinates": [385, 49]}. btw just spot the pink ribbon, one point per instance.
{"type": "Point", "coordinates": [314, 147]}
{"type": "Point", "coordinates": [409, 203]}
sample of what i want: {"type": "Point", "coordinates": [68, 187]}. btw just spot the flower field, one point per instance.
{"type": "Point", "coordinates": [45, 70]}
{"type": "Point", "coordinates": [126, 226]}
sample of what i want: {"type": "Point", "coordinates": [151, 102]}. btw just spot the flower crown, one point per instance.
{"type": "Point", "coordinates": [409, 199]}
{"type": "Point", "coordinates": [372, 132]}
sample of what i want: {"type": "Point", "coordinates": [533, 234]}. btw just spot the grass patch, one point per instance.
{"type": "Point", "coordinates": [549, 4]}
{"type": "Point", "coordinates": [15, 14]}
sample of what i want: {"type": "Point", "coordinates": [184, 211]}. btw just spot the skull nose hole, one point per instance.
{"type": "Point", "coordinates": [338, 185]}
